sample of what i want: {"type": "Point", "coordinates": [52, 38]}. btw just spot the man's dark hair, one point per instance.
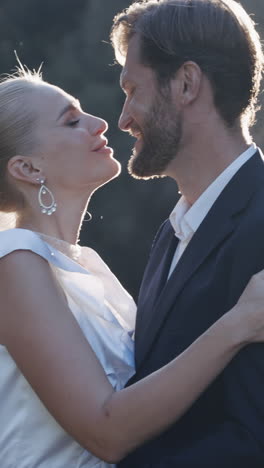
{"type": "Point", "coordinates": [216, 34]}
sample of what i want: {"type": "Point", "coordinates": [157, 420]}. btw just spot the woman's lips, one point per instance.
{"type": "Point", "coordinates": [103, 143]}
{"type": "Point", "coordinates": [102, 147]}
{"type": "Point", "coordinates": [105, 150]}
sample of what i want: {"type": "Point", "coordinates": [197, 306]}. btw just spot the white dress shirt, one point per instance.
{"type": "Point", "coordinates": [185, 218]}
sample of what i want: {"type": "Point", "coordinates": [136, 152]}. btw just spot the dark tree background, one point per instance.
{"type": "Point", "coordinates": [71, 38]}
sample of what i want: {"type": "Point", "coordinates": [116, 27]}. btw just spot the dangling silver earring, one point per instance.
{"type": "Point", "coordinates": [52, 206]}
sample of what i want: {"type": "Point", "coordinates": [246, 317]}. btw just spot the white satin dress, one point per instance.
{"type": "Point", "coordinates": [29, 436]}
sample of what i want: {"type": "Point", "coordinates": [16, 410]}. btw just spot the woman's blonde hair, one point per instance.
{"type": "Point", "coordinates": [17, 124]}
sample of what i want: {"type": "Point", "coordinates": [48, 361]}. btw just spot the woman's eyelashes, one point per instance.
{"type": "Point", "coordinates": [72, 123]}
{"type": "Point", "coordinates": [73, 118]}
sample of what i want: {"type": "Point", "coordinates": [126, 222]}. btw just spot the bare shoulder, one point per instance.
{"type": "Point", "coordinates": [20, 258]}
{"type": "Point", "coordinates": [25, 279]}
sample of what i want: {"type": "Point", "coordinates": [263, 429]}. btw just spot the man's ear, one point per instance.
{"type": "Point", "coordinates": [25, 169]}
{"type": "Point", "coordinates": [187, 83]}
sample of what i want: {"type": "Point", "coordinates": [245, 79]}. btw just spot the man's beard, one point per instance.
{"type": "Point", "coordinates": [161, 139]}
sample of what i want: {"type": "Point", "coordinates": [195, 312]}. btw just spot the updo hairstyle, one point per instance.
{"type": "Point", "coordinates": [17, 125]}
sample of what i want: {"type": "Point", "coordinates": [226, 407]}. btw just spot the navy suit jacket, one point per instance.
{"type": "Point", "coordinates": [225, 427]}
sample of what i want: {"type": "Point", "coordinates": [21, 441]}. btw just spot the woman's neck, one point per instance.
{"type": "Point", "coordinates": [64, 224]}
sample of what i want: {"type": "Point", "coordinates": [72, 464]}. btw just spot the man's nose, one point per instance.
{"type": "Point", "coordinates": [125, 120]}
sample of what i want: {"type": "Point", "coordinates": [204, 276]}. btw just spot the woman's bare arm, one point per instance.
{"type": "Point", "coordinates": [49, 347]}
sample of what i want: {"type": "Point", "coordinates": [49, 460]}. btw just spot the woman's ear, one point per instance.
{"type": "Point", "coordinates": [25, 169]}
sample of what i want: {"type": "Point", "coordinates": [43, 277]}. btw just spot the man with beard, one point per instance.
{"type": "Point", "coordinates": [191, 74]}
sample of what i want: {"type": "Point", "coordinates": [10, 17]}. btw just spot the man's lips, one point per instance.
{"type": "Point", "coordinates": [136, 135]}
{"type": "Point", "coordinates": [138, 143]}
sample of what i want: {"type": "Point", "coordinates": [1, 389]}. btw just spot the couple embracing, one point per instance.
{"type": "Point", "coordinates": [75, 387]}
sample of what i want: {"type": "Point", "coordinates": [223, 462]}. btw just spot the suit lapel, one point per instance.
{"type": "Point", "coordinates": [156, 272]}
{"type": "Point", "coordinates": [218, 225]}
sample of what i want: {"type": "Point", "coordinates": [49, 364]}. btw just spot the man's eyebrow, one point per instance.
{"type": "Point", "coordinates": [125, 82]}
{"type": "Point", "coordinates": [69, 107]}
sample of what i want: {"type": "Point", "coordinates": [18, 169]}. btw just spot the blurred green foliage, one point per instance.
{"type": "Point", "coordinates": [71, 38]}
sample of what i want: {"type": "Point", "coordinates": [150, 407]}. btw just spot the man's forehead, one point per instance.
{"type": "Point", "coordinates": [133, 49]}
{"type": "Point", "coordinates": [132, 61]}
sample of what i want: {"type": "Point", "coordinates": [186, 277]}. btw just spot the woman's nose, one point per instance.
{"type": "Point", "coordinates": [98, 126]}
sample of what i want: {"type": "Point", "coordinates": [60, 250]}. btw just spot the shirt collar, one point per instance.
{"type": "Point", "coordinates": [177, 218]}
{"type": "Point", "coordinates": [185, 218]}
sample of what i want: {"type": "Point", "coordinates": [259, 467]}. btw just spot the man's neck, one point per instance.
{"type": "Point", "coordinates": [198, 164]}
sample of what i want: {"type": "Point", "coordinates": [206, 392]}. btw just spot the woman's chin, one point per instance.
{"type": "Point", "coordinates": [110, 175]}
{"type": "Point", "coordinates": [116, 169]}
